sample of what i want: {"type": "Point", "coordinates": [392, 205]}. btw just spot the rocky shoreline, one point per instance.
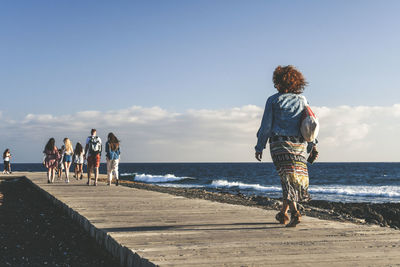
{"type": "Point", "coordinates": [383, 214]}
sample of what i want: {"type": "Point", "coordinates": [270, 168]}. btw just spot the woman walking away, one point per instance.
{"type": "Point", "coordinates": [68, 152]}
{"type": "Point", "coordinates": [51, 159]}
{"type": "Point", "coordinates": [60, 163]}
{"type": "Point", "coordinates": [281, 125]}
{"type": "Point", "coordinates": [7, 158]}
{"type": "Point", "coordinates": [79, 159]}
{"type": "Point", "coordinates": [112, 155]}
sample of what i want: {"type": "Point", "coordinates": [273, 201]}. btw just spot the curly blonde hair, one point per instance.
{"type": "Point", "coordinates": [287, 79]}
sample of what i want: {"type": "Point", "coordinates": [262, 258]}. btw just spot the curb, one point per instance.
{"type": "Point", "coordinates": [126, 256]}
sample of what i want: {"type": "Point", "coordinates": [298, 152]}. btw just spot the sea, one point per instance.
{"type": "Point", "coordinates": [338, 182]}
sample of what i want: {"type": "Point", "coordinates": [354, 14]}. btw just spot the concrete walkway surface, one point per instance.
{"type": "Point", "coordinates": [143, 228]}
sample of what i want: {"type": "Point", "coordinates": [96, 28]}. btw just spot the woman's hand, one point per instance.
{"type": "Point", "coordinates": [259, 156]}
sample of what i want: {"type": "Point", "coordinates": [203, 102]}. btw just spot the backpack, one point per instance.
{"type": "Point", "coordinates": [94, 145]}
{"type": "Point", "coordinates": [309, 125]}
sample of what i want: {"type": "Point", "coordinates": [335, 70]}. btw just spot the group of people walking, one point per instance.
{"type": "Point", "coordinates": [280, 126]}
{"type": "Point", "coordinates": [57, 160]}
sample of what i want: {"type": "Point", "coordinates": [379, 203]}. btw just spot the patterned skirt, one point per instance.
{"type": "Point", "coordinates": [289, 157]}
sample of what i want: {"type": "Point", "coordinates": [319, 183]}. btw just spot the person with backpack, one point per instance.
{"type": "Point", "coordinates": [93, 149]}
{"type": "Point", "coordinates": [112, 155]}
{"type": "Point", "coordinates": [281, 125]}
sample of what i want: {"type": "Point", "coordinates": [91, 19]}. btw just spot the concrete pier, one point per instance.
{"type": "Point", "coordinates": [146, 228]}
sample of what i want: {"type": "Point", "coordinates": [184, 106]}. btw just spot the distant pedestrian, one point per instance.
{"type": "Point", "coordinates": [93, 152]}
{"type": "Point", "coordinates": [79, 158]}
{"type": "Point", "coordinates": [112, 155]}
{"type": "Point", "coordinates": [52, 157]}
{"type": "Point", "coordinates": [281, 126]}
{"type": "Point", "coordinates": [60, 163]}
{"type": "Point", "coordinates": [68, 152]}
{"type": "Point", "coordinates": [7, 158]}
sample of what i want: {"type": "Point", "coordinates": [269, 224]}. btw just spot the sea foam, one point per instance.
{"type": "Point", "coordinates": [357, 190]}
{"type": "Point", "coordinates": [227, 184]}
{"type": "Point", "coordinates": [344, 190]}
{"type": "Point", "coordinates": [148, 178]}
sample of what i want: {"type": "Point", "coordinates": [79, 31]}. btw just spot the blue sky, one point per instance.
{"type": "Point", "coordinates": [63, 57]}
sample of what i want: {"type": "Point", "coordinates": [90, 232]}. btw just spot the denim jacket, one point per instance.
{"type": "Point", "coordinates": [282, 116]}
{"type": "Point", "coordinates": [111, 154]}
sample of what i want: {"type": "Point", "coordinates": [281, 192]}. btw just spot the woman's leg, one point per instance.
{"type": "Point", "coordinates": [116, 170]}
{"type": "Point", "coordinates": [282, 217]}
{"type": "Point", "coordinates": [48, 175]}
{"type": "Point", "coordinates": [295, 215]}
{"type": "Point", "coordinates": [59, 170]}
{"type": "Point", "coordinates": [65, 169]}
{"type": "Point", "coordinates": [285, 206]}
{"type": "Point", "coordinates": [67, 166]}
{"type": "Point", "coordinates": [80, 170]}
{"type": "Point", "coordinates": [76, 171]}
{"type": "Point", "coordinates": [7, 166]}
{"type": "Point", "coordinates": [51, 174]}
{"type": "Point", "coordinates": [109, 174]}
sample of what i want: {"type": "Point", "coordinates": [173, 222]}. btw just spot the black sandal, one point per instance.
{"type": "Point", "coordinates": [282, 218]}
{"type": "Point", "coordinates": [294, 220]}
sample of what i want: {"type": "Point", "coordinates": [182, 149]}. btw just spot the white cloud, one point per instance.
{"type": "Point", "coordinates": [154, 134]}
{"type": "Point", "coordinates": [359, 133]}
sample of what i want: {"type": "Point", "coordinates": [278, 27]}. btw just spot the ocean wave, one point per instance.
{"type": "Point", "coordinates": [227, 184]}
{"type": "Point", "coordinates": [357, 191]}
{"type": "Point", "coordinates": [127, 174]}
{"type": "Point", "coordinates": [148, 178]}
{"type": "Point", "coordinates": [181, 185]}
{"type": "Point", "coordinates": [349, 190]}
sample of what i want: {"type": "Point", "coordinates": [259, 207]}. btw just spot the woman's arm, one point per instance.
{"type": "Point", "coordinates": [107, 149]}
{"type": "Point", "coordinates": [265, 130]}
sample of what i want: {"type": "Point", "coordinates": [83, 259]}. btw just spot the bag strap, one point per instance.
{"type": "Point", "coordinates": [308, 112]}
